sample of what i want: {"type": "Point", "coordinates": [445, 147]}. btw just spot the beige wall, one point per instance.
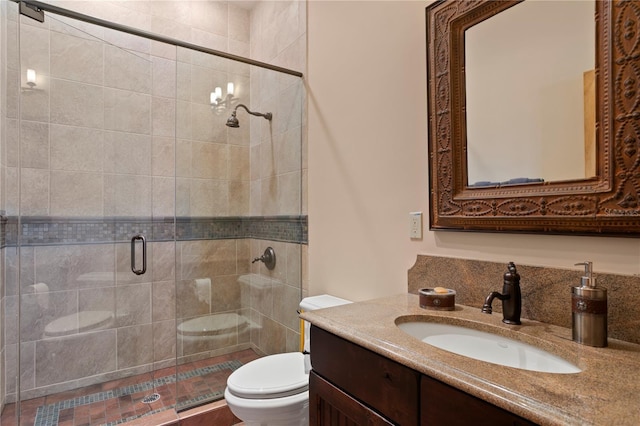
{"type": "Point", "coordinates": [368, 161]}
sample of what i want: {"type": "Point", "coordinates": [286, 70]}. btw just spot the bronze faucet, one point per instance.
{"type": "Point", "coordinates": [510, 296]}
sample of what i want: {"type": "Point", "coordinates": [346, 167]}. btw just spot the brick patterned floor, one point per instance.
{"type": "Point", "coordinates": [117, 401]}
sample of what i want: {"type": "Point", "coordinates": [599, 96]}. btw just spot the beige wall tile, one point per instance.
{"type": "Point", "coordinates": [12, 94]}
{"type": "Point", "coordinates": [183, 120]}
{"type": "Point", "coordinates": [127, 153]}
{"type": "Point", "coordinates": [288, 153]}
{"type": "Point", "coordinates": [269, 196]}
{"type": "Point", "coordinates": [163, 156]}
{"type": "Point", "coordinates": [127, 195]}
{"type": "Point", "coordinates": [209, 160]}
{"type": "Point", "coordinates": [34, 105]}
{"type": "Point", "coordinates": [75, 266]}
{"type": "Point", "coordinates": [172, 10]}
{"type": "Point", "coordinates": [170, 28]}
{"type": "Point", "coordinates": [133, 305]}
{"type": "Point", "coordinates": [225, 294]}
{"type": "Point", "coordinates": [133, 71]}
{"type": "Point", "coordinates": [163, 196]}
{"type": "Point", "coordinates": [34, 144]}
{"type": "Point", "coordinates": [163, 117]}
{"type": "Point", "coordinates": [76, 148]}
{"type": "Point", "coordinates": [53, 355]}
{"type": "Point", "coordinates": [286, 300]}
{"type": "Point", "coordinates": [209, 197]}
{"type": "Point", "coordinates": [255, 203]}
{"type": "Point", "coordinates": [188, 304]}
{"type": "Point", "coordinates": [267, 159]}
{"type": "Point", "coordinates": [163, 261]}
{"type": "Point", "coordinates": [75, 28]}
{"type": "Point", "coordinates": [98, 299]}
{"type": "Point", "coordinates": [183, 83]}
{"type": "Point", "coordinates": [76, 194]}
{"type": "Point", "coordinates": [128, 41]}
{"type": "Point", "coordinates": [11, 143]}
{"type": "Point", "coordinates": [163, 300]}
{"type": "Point", "coordinates": [209, 258]}
{"type": "Point", "coordinates": [239, 198]}
{"type": "Point", "coordinates": [34, 184]}
{"type": "Point", "coordinates": [127, 111]}
{"type": "Point", "coordinates": [77, 104]}
{"type": "Point", "coordinates": [210, 16]}
{"type": "Point", "coordinates": [239, 163]}
{"type": "Point", "coordinates": [183, 197]}
{"type": "Point", "coordinates": [77, 58]}
{"type": "Point", "coordinates": [289, 193]}
{"type": "Point", "coordinates": [164, 340]}
{"type": "Point", "coordinates": [206, 125]}
{"type": "Point", "coordinates": [164, 77]}
{"type": "Point", "coordinates": [34, 49]}
{"type": "Point", "coordinates": [294, 265]}
{"type": "Point", "coordinates": [238, 23]}
{"type": "Point", "coordinates": [135, 346]}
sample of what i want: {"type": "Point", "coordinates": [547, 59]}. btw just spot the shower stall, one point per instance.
{"type": "Point", "coordinates": [134, 218]}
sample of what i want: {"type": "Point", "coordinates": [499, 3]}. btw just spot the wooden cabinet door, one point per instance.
{"type": "Point", "coordinates": [330, 406]}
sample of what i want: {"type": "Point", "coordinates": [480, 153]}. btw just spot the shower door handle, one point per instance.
{"type": "Point", "coordinates": [133, 254]}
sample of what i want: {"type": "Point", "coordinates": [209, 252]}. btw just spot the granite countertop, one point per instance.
{"type": "Point", "coordinates": [606, 392]}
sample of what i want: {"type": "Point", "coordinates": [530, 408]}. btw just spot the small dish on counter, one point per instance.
{"type": "Point", "coordinates": [438, 298]}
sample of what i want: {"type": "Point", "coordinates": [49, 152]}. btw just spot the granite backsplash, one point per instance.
{"type": "Point", "coordinates": [546, 292]}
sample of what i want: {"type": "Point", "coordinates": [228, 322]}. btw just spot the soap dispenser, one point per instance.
{"type": "Point", "coordinates": [589, 310]}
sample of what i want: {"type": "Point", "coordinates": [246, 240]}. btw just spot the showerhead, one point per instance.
{"type": "Point", "coordinates": [233, 120]}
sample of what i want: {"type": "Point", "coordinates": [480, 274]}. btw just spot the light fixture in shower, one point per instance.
{"type": "Point", "coordinates": [219, 103]}
{"type": "Point", "coordinates": [233, 120]}
{"type": "Point", "coordinates": [31, 80]}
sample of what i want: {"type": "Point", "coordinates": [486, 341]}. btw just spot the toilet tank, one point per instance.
{"type": "Point", "coordinates": [311, 303]}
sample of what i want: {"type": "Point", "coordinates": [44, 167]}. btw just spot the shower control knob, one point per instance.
{"type": "Point", "coordinates": [268, 258]}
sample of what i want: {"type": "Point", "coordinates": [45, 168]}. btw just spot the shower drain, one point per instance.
{"type": "Point", "coordinates": [151, 398]}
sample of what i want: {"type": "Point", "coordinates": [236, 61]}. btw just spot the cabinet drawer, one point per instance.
{"type": "Point", "coordinates": [446, 405]}
{"type": "Point", "coordinates": [388, 387]}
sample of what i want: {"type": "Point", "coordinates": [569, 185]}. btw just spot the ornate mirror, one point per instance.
{"type": "Point", "coordinates": [489, 171]}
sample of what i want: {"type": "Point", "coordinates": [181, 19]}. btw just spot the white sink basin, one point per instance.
{"type": "Point", "coordinates": [487, 347]}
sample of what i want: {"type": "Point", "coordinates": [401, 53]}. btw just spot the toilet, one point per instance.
{"type": "Point", "coordinates": [274, 390]}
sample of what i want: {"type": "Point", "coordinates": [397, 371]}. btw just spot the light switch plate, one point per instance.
{"type": "Point", "coordinates": [415, 225]}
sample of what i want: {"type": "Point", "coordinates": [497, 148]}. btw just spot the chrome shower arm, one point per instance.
{"type": "Point", "coordinates": [267, 115]}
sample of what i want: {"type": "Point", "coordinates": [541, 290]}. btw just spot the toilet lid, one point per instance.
{"type": "Point", "coordinates": [272, 376]}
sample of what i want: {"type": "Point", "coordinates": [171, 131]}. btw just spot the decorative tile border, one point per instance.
{"type": "Point", "coordinates": [36, 231]}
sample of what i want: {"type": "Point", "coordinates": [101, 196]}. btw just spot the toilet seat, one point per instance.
{"type": "Point", "coordinates": [273, 376]}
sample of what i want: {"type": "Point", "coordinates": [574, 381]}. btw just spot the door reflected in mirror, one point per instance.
{"type": "Point", "coordinates": [530, 94]}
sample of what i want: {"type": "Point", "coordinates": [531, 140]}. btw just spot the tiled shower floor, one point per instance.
{"type": "Point", "coordinates": [118, 401]}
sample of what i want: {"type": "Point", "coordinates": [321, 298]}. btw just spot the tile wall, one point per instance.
{"type": "Point", "coordinates": [97, 136]}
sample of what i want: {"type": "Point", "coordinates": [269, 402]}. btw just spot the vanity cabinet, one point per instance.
{"type": "Point", "coordinates": [351, 385]}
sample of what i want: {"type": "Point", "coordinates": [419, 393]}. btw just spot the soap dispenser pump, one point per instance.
{"type": "Point", "coordinates": [589, 310]}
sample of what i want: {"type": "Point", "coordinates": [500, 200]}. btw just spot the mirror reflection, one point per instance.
{"type": "Point", "coordinates": [530, 94]}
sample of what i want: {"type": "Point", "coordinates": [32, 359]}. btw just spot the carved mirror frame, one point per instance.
{"type": "Point", "coordinates": [608, 204]}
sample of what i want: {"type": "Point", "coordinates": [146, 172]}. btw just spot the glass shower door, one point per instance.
{"type": "Point", "coordinates": [92, 188]}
